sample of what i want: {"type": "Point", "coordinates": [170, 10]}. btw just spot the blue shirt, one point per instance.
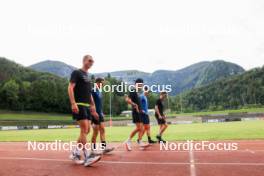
{"type": "Point", "coordinates": [97, 96]}
{"type": "Point", "coordinates": [144, 103]}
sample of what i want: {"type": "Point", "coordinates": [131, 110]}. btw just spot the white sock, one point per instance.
{"type": "Point", "coordinates": [86, 153]}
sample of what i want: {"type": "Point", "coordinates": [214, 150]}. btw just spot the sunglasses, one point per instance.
{"type": "Point", "coordinates": [91, 61]}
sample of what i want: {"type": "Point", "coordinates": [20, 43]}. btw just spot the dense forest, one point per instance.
{"type": "Point", "coordinates": [238, 91]}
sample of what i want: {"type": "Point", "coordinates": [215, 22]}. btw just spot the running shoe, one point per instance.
{"type": "Point", "coordinates": [107, 150]}
{"type": "Point", "coordinates": [128, 145]}
{"type": "Point", "coordinates": [90, 160]}
{"type": "Point", "coordinates": [142, 145]}
{"type": "Point", "coordinates": [160, 139]}
{"type": "Point", "coordinates": [76, 158]}
{"type": "Point", "coordinates": [96, 152]}
{"type": "Point", "coordinates": [150, 141]}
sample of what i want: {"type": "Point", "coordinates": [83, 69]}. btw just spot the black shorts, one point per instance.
{"type": "Point", "coordinates": [99, 121]}
{"type": "Point", "coordinates": [145, 118]}
{"type": "Point", "coordinates": [136, 117]}
{"type": "Point", "coordinates": [160, 121]}
{"type": "Point", "coordinates": [84, 113]}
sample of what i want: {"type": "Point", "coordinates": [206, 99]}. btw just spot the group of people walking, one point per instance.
{"type": "Point", "coordinates": [87, 110]}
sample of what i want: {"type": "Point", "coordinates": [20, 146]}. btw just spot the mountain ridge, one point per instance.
{"type": "Point", "coordinates": [192, 76]}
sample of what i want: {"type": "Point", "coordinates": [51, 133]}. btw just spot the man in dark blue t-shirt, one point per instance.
{"type": "Point", "coordinates": [134, 100]}
{"type": "Point", "coordinates": [98, 124]}
{"type": "Point", "coordinates": [144, 114]}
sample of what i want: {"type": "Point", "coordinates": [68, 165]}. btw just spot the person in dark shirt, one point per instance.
{"type": "Point", "coordinates": [159, 114]}
{"type": "Point", "coordinates": [83, 107]}
{"type": "Point", "coordinates": [98, 124]}
{"type": "Point", "coordinates": [134, 100]}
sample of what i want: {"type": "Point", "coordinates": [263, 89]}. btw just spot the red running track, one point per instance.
{"type": "Point", "coordinates": [248, 160]}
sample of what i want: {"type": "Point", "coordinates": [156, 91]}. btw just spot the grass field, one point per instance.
{"type": "Point", "coordinates": [10, 115]}
{"type": "Point", "coordinates": [201, 131]}
{"type": "Point", "coordinates": [37, 118]}
{"type": "Point", "coordinates": [224, 112]}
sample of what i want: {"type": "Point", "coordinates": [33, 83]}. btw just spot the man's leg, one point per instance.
{"type": "Point", "coordinates": [135, 131]}
{"type": "Point", "coordinates": [147, 129]}
{"type": "Point", "coordinates": [132, 134]}
{"type": "Point", "coordinates": [94, 136]}
{"type": "Point", "coordinates": [84, 131]}
{"type": "Point", "coordinates": [164, 127]}
{"type": "Point", "coordinates": [140, 135]}
{"type": "Point", "coordinates": [81, 141]}
{"type": "Point", "coordinates": [102, 131]}
{"type": "Point", "coordinates": [102, 134]}
{"type": "Point", "coordinates": [140, 131]}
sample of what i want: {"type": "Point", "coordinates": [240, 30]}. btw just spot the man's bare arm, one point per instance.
{"type": "Point", "coordinates": [93, 108]}
{"type": "Point", "coordinates": [157, 111]}
{"type": "Point", "coordinates": [129, 101]}
{"type": "Point", "coordinates": [74, 106]}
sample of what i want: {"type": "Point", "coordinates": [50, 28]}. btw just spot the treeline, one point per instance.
{"type": "Point", "coordinates": [239, 91]}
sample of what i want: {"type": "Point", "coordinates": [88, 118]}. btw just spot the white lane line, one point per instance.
{"type": "Point", "coordinates": [147, 151]}
{"type": "Point", "coordinates": [134, 162]}
{"type": "Point", "coordinates": [187, 151]}
{"type": "Point", "coordinates": [192, 163]}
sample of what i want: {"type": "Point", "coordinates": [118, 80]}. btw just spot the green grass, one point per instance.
{"type": "Point", "coordinates": [201, 131]}
{"type": "Point", "coordinates": [33, 116]}
{"type": "Point", "coordinates": [37, 118]}
{"type": "Point", "coordinates": [10, 118]}
{"type": "Point", "coordinates": [224, 112]}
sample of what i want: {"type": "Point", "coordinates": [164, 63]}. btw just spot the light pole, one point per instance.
{"type": "Point", "coordinates": [110, 109]}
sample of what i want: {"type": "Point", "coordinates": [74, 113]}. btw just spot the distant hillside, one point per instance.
{"type": "Point", "coordinates": [128, 76]}
{"type": "Point", "coordinates": [195, 75]}
{"type": "Point", "coordinates": [242, 90]}
{"type": "Point", "coordinates": [192, 76]}
{"type": "Point", "coordinates": [22, 88]}
{"type": "Point", "coordinates": [55, 67]}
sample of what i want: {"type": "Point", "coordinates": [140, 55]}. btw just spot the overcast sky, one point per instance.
{"type": "Point", "coordinates": [141, 34]}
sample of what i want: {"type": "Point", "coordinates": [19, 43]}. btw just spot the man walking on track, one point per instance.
{"type": "Point", "coordinates": [134, 101]}
{"type": "Point", "coordinates": [82, 105]}
{"type": "Point", "coordinates": [144, 114]}
{"type": "Point", "coordinates": [98, 124]}
{"type": "Point", "coordinates": [159, 114]}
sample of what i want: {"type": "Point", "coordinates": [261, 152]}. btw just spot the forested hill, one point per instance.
{"type": "Point", "coordinates": [195, 75]}
{"type": "Point", "coordinates": [238, 91]}
{"type": "Point", "coordinates": [55, 67]}
{"type": "Point", "coordinates": [25, 89]}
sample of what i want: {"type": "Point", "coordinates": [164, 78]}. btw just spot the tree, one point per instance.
{"type": "Point", "coordinates": [10, 92]}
